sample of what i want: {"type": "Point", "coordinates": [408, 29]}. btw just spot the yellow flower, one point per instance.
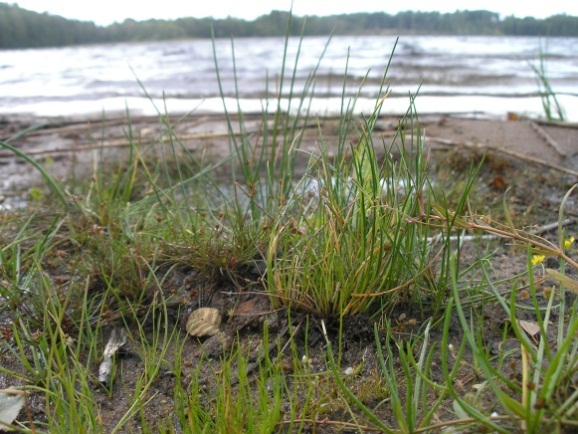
{"type": "Point", "coordinates": [538, 259]}
{"type": "Point", "coordinates": [568, 243]}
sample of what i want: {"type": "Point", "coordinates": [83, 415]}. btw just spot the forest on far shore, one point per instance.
{"type": "Point", "coordinates": [21, 28]}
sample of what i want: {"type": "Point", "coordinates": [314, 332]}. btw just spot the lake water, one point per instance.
{"type": "Point", "coordinates": [483, 76]}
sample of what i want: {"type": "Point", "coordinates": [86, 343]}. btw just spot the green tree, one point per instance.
{"type": "Point", "coordinates": [22, 28]}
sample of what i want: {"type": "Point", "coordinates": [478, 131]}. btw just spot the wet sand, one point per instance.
{"type": "Point", "coordinates": [69, 146]}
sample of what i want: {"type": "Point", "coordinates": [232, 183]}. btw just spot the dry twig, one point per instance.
{"type": "Point", "coordinates": [517, 155]}
{"type": "Point", "coordinates": [542, 133]}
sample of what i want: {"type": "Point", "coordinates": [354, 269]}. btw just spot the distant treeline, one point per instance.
{"type": "Point", "coordinates": [20, 28]}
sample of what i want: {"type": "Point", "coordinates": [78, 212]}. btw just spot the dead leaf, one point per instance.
{"type": "Point", "coordinates": [530, 327]}
{"type": "Point", "coordinates": [499, 184]}
{"type": "Point", "coordinates": [11, 402]}
{"type": "Point", "coordinates": [246, 307]}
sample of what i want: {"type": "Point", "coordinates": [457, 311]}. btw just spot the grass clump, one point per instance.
{"type": "Point", "coordinates": [553, 110]}
{"type": "Point", "coordinates": [354, 232]}
{"type": "Point", "coordinates": [347, 232]}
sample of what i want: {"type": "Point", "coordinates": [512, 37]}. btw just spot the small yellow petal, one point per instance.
{"type": "Point", "coordinates": [568, 243]}
{"type": "Point", "coordinates": [538, 259]}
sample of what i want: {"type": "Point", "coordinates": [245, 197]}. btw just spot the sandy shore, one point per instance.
{"type": "Point", "coordinates": [67, 145]}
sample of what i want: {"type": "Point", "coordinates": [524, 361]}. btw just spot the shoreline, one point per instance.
{"type": "Point", "coordinates": [68, 145]}
{"type": "Point", "coordinates": [456, 105]}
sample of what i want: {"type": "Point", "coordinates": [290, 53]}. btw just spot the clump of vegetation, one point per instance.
{"type": "Point", "coordinates": [553, 110]}
{"type": "Point", "coordinates": [354, 233]}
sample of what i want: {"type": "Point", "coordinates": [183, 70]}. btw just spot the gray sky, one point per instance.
{"type": "Point", "coordinates": [108, 11]}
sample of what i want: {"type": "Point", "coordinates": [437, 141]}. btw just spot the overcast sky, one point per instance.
{"type": "Point", "coordinates": [108, 11]}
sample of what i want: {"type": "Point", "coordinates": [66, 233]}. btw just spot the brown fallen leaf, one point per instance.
{"type": "Point", "coordinates": [530, 327]}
